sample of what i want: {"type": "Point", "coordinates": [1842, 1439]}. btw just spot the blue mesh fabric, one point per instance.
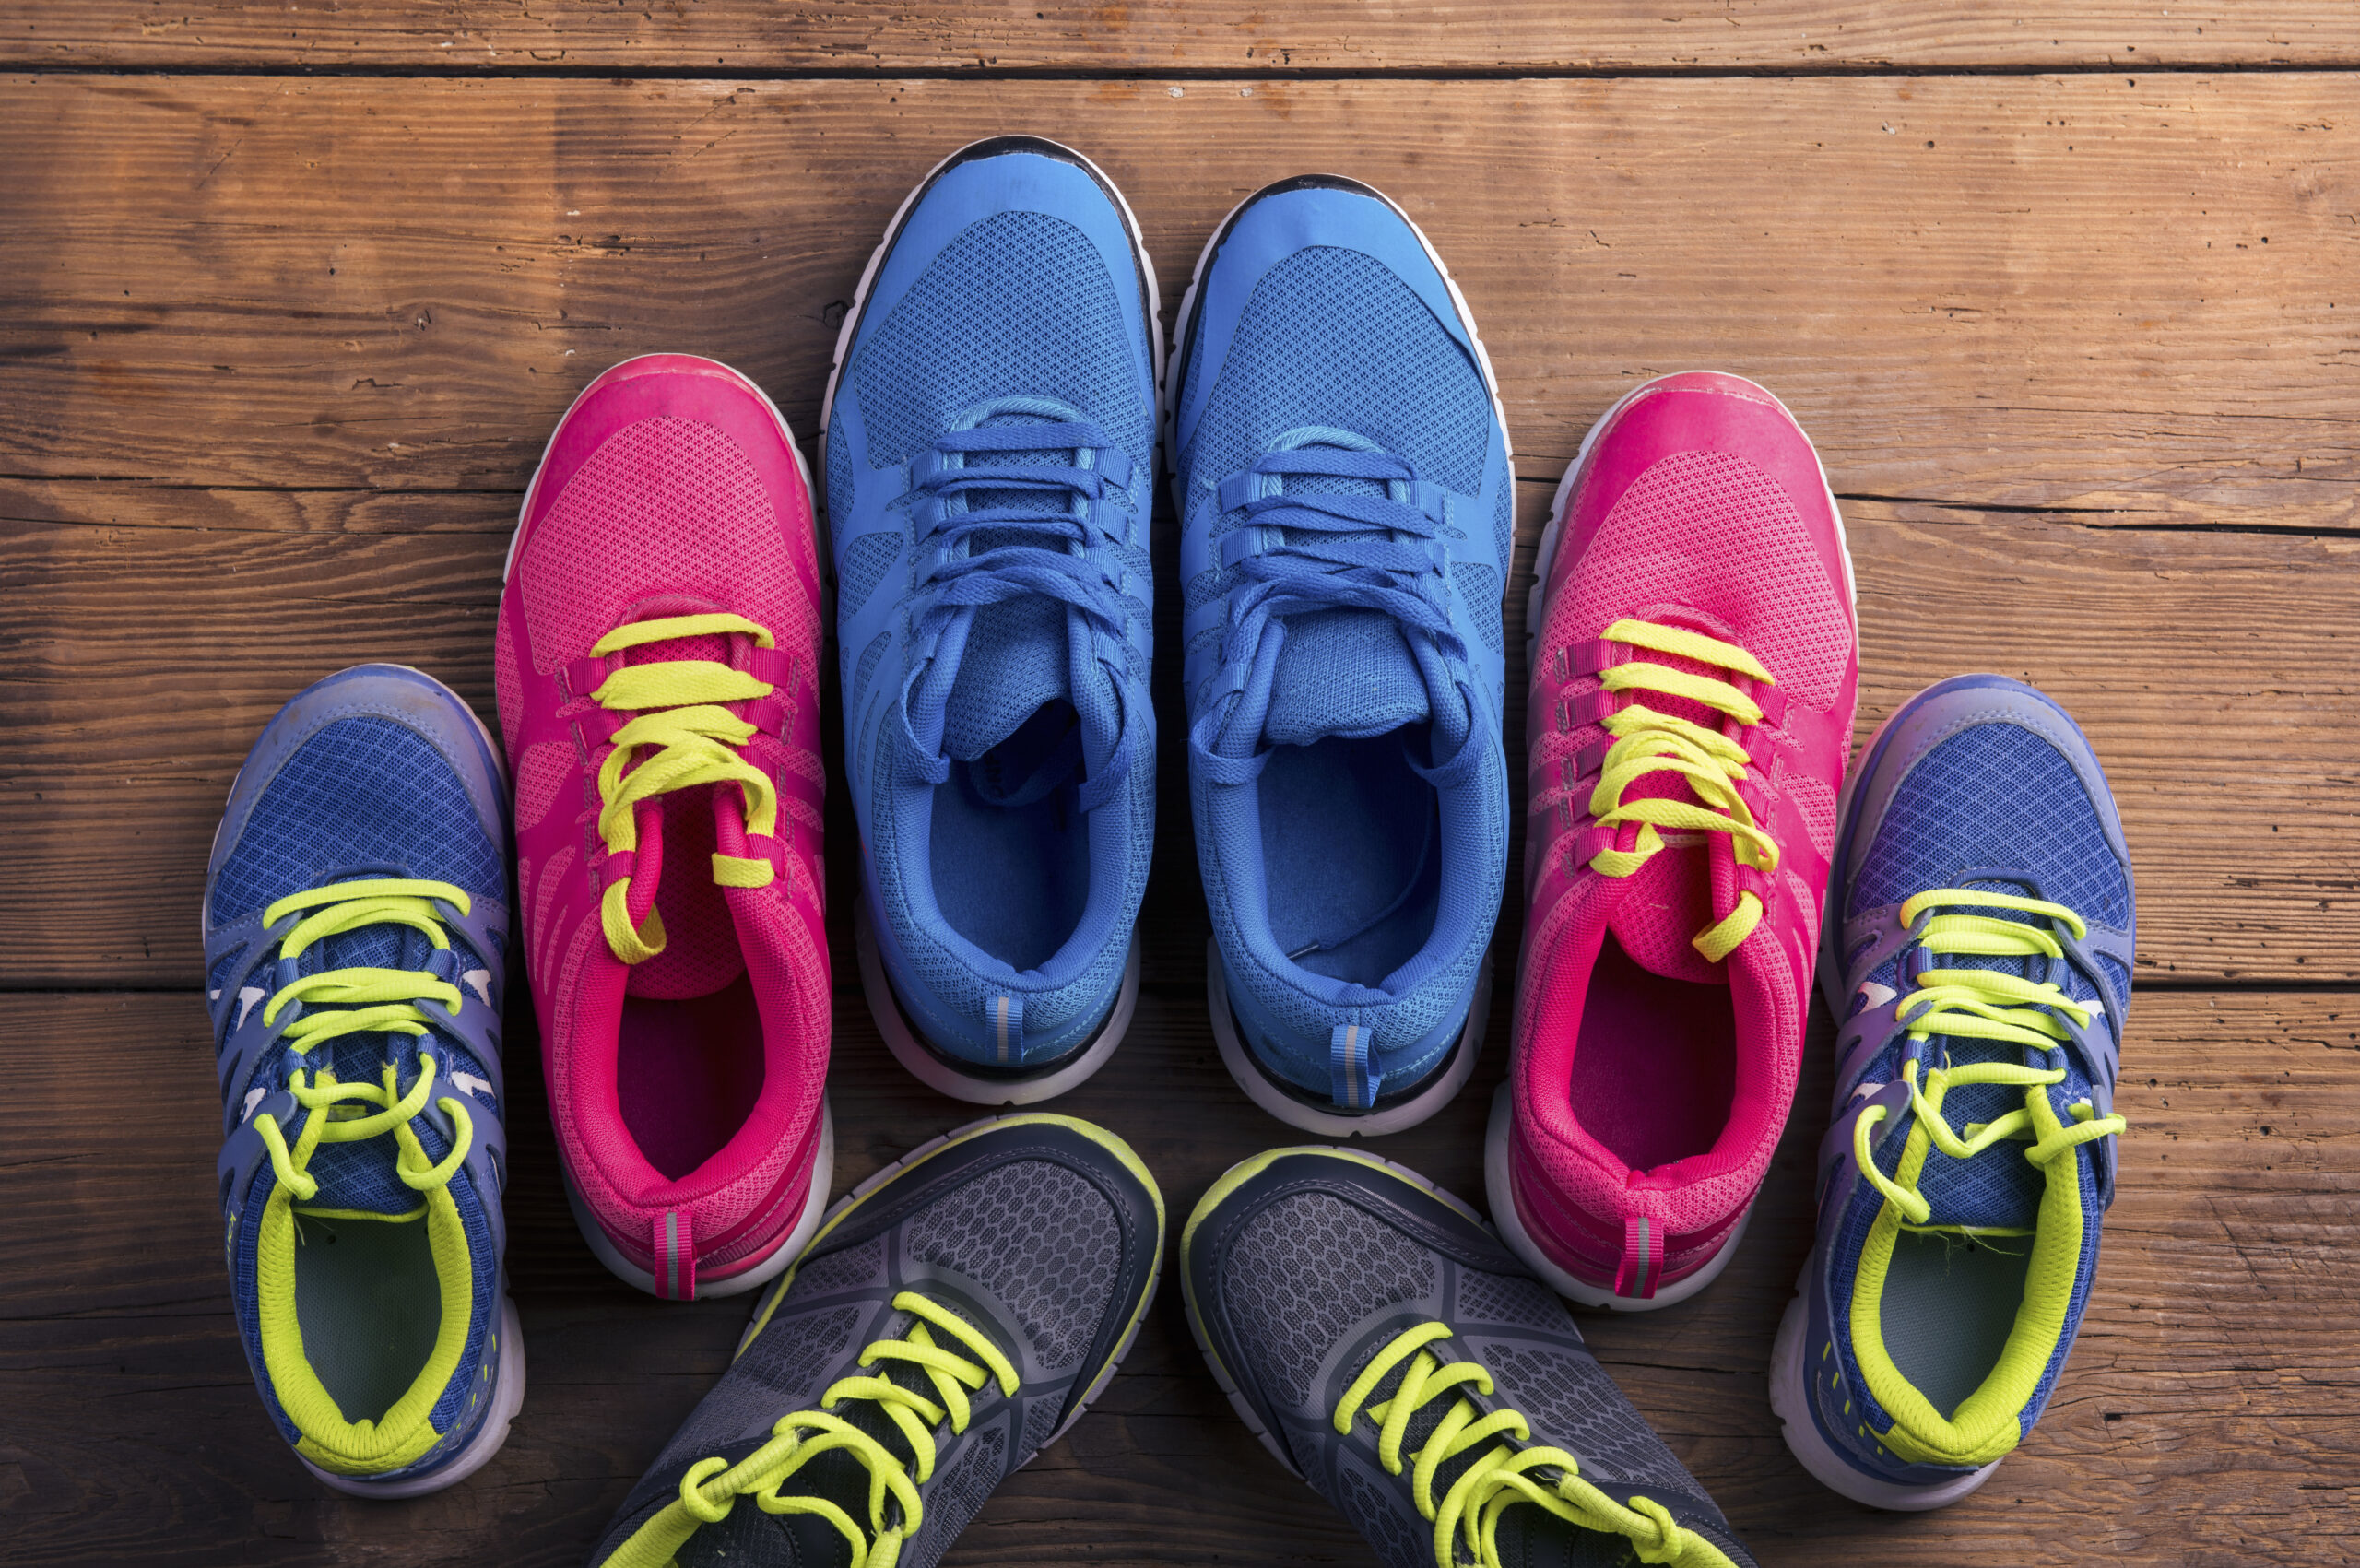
{"type": "Point", "coordinates": [839, 466]}
{"type": "Point", "coordinates": [1333, 339]}
{"type": "Point", "coordinates": [867, 667]}
{"type": "Point", "coordinates": [319, 813]}
{"type": "Point", "coordinates": [1058, 331]}
{"type": "Point", "coordinates": [948, 978]}
{"type": "Point", "coordinates": [1997, 794]}
{"type": "Point", "coordinates": [866, 559]}
{"type": "Point", "coordinates": [1480, 585]}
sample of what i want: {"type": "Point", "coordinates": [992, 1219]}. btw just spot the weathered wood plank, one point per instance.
{"type": "Point", "coordinates": [2210, 1414]}
{"type": "Point", "coordinates": [730, 36]}
{"type": "Point", "coordinates": [2215, 671]}
{"type": "Point", "coordinates": [2130, 300]}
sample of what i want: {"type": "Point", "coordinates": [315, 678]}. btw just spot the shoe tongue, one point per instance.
{"type": "Point", "coordinates": [1343, 672]}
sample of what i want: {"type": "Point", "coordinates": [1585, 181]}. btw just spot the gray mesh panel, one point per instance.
{"type": "Point", "coordinates": [1041, 1239]}
{"type": "Point", "coordinates": [1305, 1269]}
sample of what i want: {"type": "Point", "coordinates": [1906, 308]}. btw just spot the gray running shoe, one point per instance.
{"type": "Point", "coordinates": [1380, 1340]}
{"type": "Point", "coordinates": [957, 1312]}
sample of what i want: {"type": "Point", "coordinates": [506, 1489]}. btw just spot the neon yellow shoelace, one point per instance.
{"type": "Point", "coordinates": [1647, 741]}
{"type": "Point", "coordinates": [1469, 1512]}
{"type": "Point", "coordinates": [694, 740]}
{"type": "Point", "coordinates": [357, 1001]}
{"type": "Point", "coordinates": [712, 1487]}
{"type": "Point", "coordinates": [1982, 1003]}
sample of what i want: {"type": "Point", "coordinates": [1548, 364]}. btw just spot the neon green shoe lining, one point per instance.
{"type": "Point", "coordinates": [1981, 1005]}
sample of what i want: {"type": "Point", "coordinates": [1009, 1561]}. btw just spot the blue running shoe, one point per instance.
{"type": "Point", "coordinates": [1342, 473]}
{"type": "Point", "coordinates": [990, 466]}
{"type": "Point", "coordinates": [356, 928]}
{"type": "Point", "coordinates": [1978, 949]}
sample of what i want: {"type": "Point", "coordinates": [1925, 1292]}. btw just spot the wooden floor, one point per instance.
{"type": "Point", "coordinates": [291, 294]}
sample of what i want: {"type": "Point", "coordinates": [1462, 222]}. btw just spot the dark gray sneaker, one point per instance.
{"type": "Point", "coordinates": [1380, 1340]}
{"type": "Point", "coordinates": [957, 1312]}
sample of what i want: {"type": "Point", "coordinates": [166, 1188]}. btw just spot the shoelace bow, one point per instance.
{"type": "Point", "coordinates": [355, 1001]}
{"type": "Point", "coordinates": [1647, 741]}
{"type": "Point", "coordinates": [694, 741]}
{"type": "Point", "coordinates": [1056, 509]}
{"type": "Point", "coordinates": [1983, 1004]}
{"type": "Point", "coordinates": [1469, 1513]}
{"type": "Point", "coordinates": [712, 1487]}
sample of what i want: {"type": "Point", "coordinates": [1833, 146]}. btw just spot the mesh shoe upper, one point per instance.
{"type": "Point", "coordinates": [1040, 1234]}
{"type": "Point", "coordinates": [376, 1358]}
{"type": "Point", "coordinates": [990, 459]}
{"type": "Point", "coordinates": [1981, 787]}
{"type": "Point", "coordinates": [1303, 1267]}
{"type": "Point", "coordinates": [1698, 579]}
{"type": "Point", "coordinates": [659, 625]}
{"type": "Point", "coordinates": [1346, 501]}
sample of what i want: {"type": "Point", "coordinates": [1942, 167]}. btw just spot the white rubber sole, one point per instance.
{"type": "Point", "coordinates": [1536, 604]}
{"type": "Point", "coordinates": [928, 1066]}
{"type": "Point", "coordinates": [1789, 1400]}
{"type": "Point", "coordinates": [806, 1225]}
{"type": "Point", "coordinates": [1258, 1088]}
{"type": "Point", "coordinates": [925, 1151]}
{"type": "Point", "coordinates": [1228, 1384]}
{"type": "Point", "coordinates": [1499, 1190]}
{"type": "Point", "coordinates": [507, 1398]}
{"type": "Point", "coordinates": [893, 232]}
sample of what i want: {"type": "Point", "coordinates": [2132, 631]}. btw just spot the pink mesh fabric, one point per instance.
{"type": "Point", "coordinates": [546, 772]}
{"type": "Point", "coordinates": [670, 488]}
{"type": "Point", "coordinates": [665, 506]}
{"type": "Point", "coordinates": [1711, 531]}
{"type": "Point", "coordinates": [1701, 506]}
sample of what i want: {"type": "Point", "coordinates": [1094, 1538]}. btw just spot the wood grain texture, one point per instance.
{"type": "Point", "coordinates": [2132, 302]}
{"type": "Point", "coordinates": [731, 37]}
{"type": "Point", "coordinates": [2211, 1413]}
{"type": "Point", "coordinates": [2213, 671]}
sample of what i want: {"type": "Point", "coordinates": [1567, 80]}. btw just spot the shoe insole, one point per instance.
{"type": "Point", "coordinates": [1011, 874]}
{"type": "Point", "coordinates": [1350, 862]}
{"type": "Point", "coordinates": [687, 1073]}
{"type": "Point", "coordinates": [369, 1305]}
{"type": "Point", "coordinates": [1949, 1304]}
{"type": "Point", "coordinates": [1655, 1066]}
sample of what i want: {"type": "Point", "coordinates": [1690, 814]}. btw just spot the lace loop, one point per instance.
{"type": "Point", "coordinates": [1035, 535]}
{"type": "Point", "coordinates": [363, 1001]}
{"type": "Point", "coordinates": [1985, 1003]}
{"type": "Point", "coordinates": [1468, 1515]}
{"type": "Point", "coordinates": [1313, 550]}
{"type": "Point", "coordinates": [694, 741]}
{"type": "Point", "coordinates": [1647, 741]}
{"type": "Point", "coordinates": [712, 1486]}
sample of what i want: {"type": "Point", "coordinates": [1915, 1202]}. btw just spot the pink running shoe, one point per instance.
{"type": "Point", "coordinates": [658, 664]}
{"type": "Point", "coordinates": [1694, 666]}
